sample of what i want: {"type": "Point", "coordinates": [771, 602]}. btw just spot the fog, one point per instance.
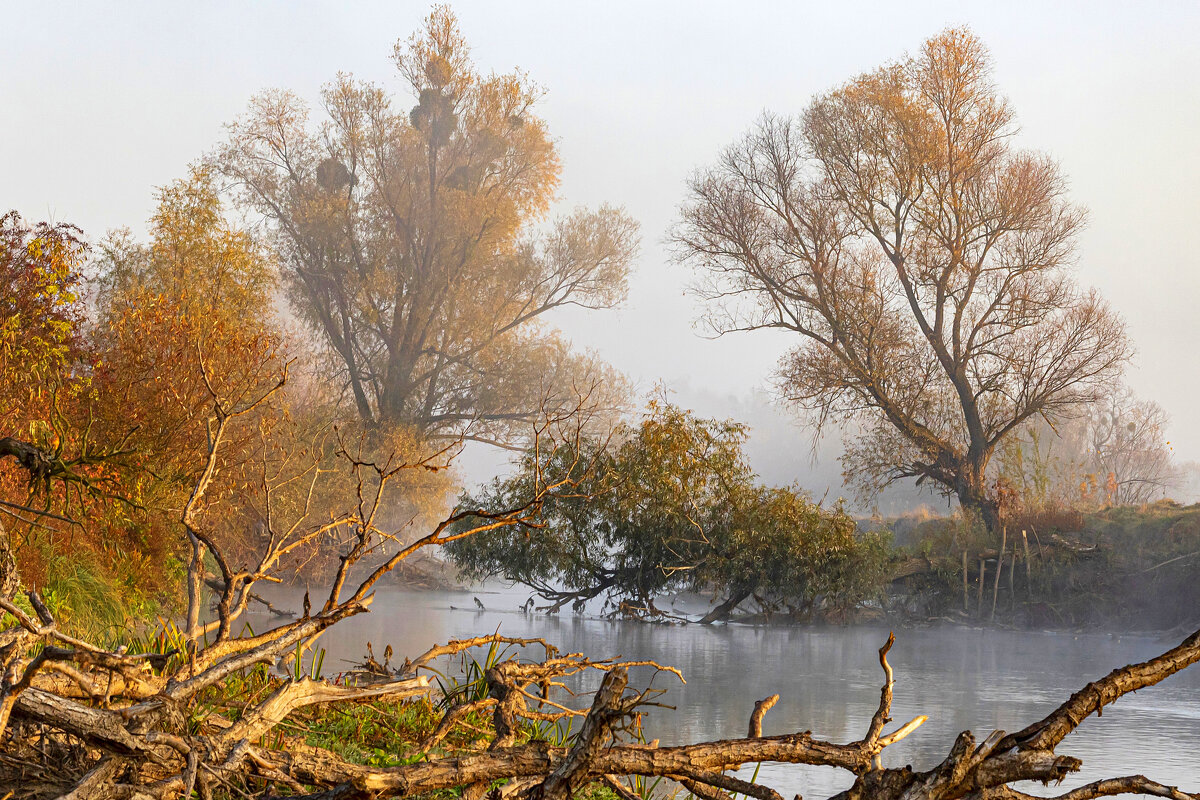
{"type": "Point", "coordinates": [104, 103]}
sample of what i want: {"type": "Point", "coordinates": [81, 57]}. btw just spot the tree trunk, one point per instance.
{"type": "Point", "coordinates": [725, 609]}
{"type": "Point", "coordinates": [973, 495]}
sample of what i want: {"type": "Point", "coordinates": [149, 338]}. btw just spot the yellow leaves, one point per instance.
{"type": "Point", "coordinates": [40, 313]}
{"type": "Point", "coordinates": [403, 233]}
{"type": "Point", "coordinates": [196, 259]}
{"type": "Point", "coordinates": [197, 294]}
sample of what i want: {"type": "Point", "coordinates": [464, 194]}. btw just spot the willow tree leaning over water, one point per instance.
{"type": "Point", "coordinates": [923, 260]}
{"type": "Point", "coordinates": [665, 504]}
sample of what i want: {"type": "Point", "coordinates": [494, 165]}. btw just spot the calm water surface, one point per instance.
{"type": "Point", "coordinates": [828, 680]}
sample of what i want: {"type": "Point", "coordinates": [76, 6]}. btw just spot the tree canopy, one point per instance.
{"type": "Point", "coordinates": [668, 504]}
{"type": "Point", "coordinates": [180, 317]}
{"type": "Point", "coordinates": [41, 313]}
{"type": "Point", "coordinates": [923, 260]}
{"type": "Point", "coordinates": [412, 240]}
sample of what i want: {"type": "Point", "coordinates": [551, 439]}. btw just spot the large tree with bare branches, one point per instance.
{"type": "Point", "coordinates": [406, 239]}
{"type": "Point", "coordinates": [922, 257]}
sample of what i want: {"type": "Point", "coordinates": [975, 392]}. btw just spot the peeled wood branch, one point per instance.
{"type": "Point", "coordinates": [293, 695]}
{"type": "Point", "coordinates": [575, 770]}
{"type": "Point", "coordinates": [1133, 784]}
{"type": "Point", "coordinates": [882, 715]}
{"type": "Point", "coordinates": [728, 784]}
{"type": "Point", "coordinates": [760, 710]}
{"type": "Point", "coordinates": [701, 790]}
{"type": "Point", "coordinates": [1091, 699]}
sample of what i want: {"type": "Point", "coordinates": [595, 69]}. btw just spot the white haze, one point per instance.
{"type": "Point", "coordinates": [103, 102]}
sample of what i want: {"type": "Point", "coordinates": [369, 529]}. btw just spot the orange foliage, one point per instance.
{"type": "Point", "coordinates": [127, 399]}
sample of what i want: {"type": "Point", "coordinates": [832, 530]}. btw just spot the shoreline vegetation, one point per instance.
{"type": "Point", "coordinates": [673, 506]}
{"type": "Point", "coordinates": [1120, 570]}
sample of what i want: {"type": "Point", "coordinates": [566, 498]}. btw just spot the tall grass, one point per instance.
{"type": "Point", "coordinates": [82, 598]}
{"type": "Point", "coordinates": [101, 594]}
{"type": "Point", "coordinates": [471, 686]}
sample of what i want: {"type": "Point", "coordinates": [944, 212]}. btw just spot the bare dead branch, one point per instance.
{"type": "Point", "coordinates": [760, 710]}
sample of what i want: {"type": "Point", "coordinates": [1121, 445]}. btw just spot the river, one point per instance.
{"type": "Point", "coordinates": [828, 680]}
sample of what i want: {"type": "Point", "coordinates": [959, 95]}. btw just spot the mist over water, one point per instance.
{"type": "Point", "coordinates": [782, 448]}
{"type": "Point", "coordinates": [828, 680]}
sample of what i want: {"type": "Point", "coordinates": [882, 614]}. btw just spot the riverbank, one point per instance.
{"type": "Point", "coordinates": [1120, 570]}
{"type": "Point", "coordinates": [1116, 569]}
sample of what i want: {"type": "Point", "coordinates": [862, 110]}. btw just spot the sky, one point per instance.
{"type": "Point", "coordinates": [104, 102]}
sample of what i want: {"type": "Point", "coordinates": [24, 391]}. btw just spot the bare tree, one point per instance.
{"type": "Point", "coordinates": [1115, 453]}
{"type": "Point", "coordinates": [1129, 449]}
{"type": "Point", "coordinates": [406, 239]}
{"type": "Point", "coordinates": [923, 259]}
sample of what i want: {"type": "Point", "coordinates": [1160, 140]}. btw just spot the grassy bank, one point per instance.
{"type": "Point", "coordinates": [1120, 568]}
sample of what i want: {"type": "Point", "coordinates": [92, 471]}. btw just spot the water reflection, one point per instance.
{"type": "Point", "coordinates": [828, 680]}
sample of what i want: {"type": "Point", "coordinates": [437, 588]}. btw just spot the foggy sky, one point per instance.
{"type": "Point", "coordinates": [104, 102]}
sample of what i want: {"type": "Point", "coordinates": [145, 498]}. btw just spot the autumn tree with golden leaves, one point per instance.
{"type": "Point", "coordinates": [41, 313]}
{"type": "Point", "coordinates": [407, 240]}
{"type": "Point", "coordinates": [923, 259]}
{"type": "Point", "coordinates": [197, 294]}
